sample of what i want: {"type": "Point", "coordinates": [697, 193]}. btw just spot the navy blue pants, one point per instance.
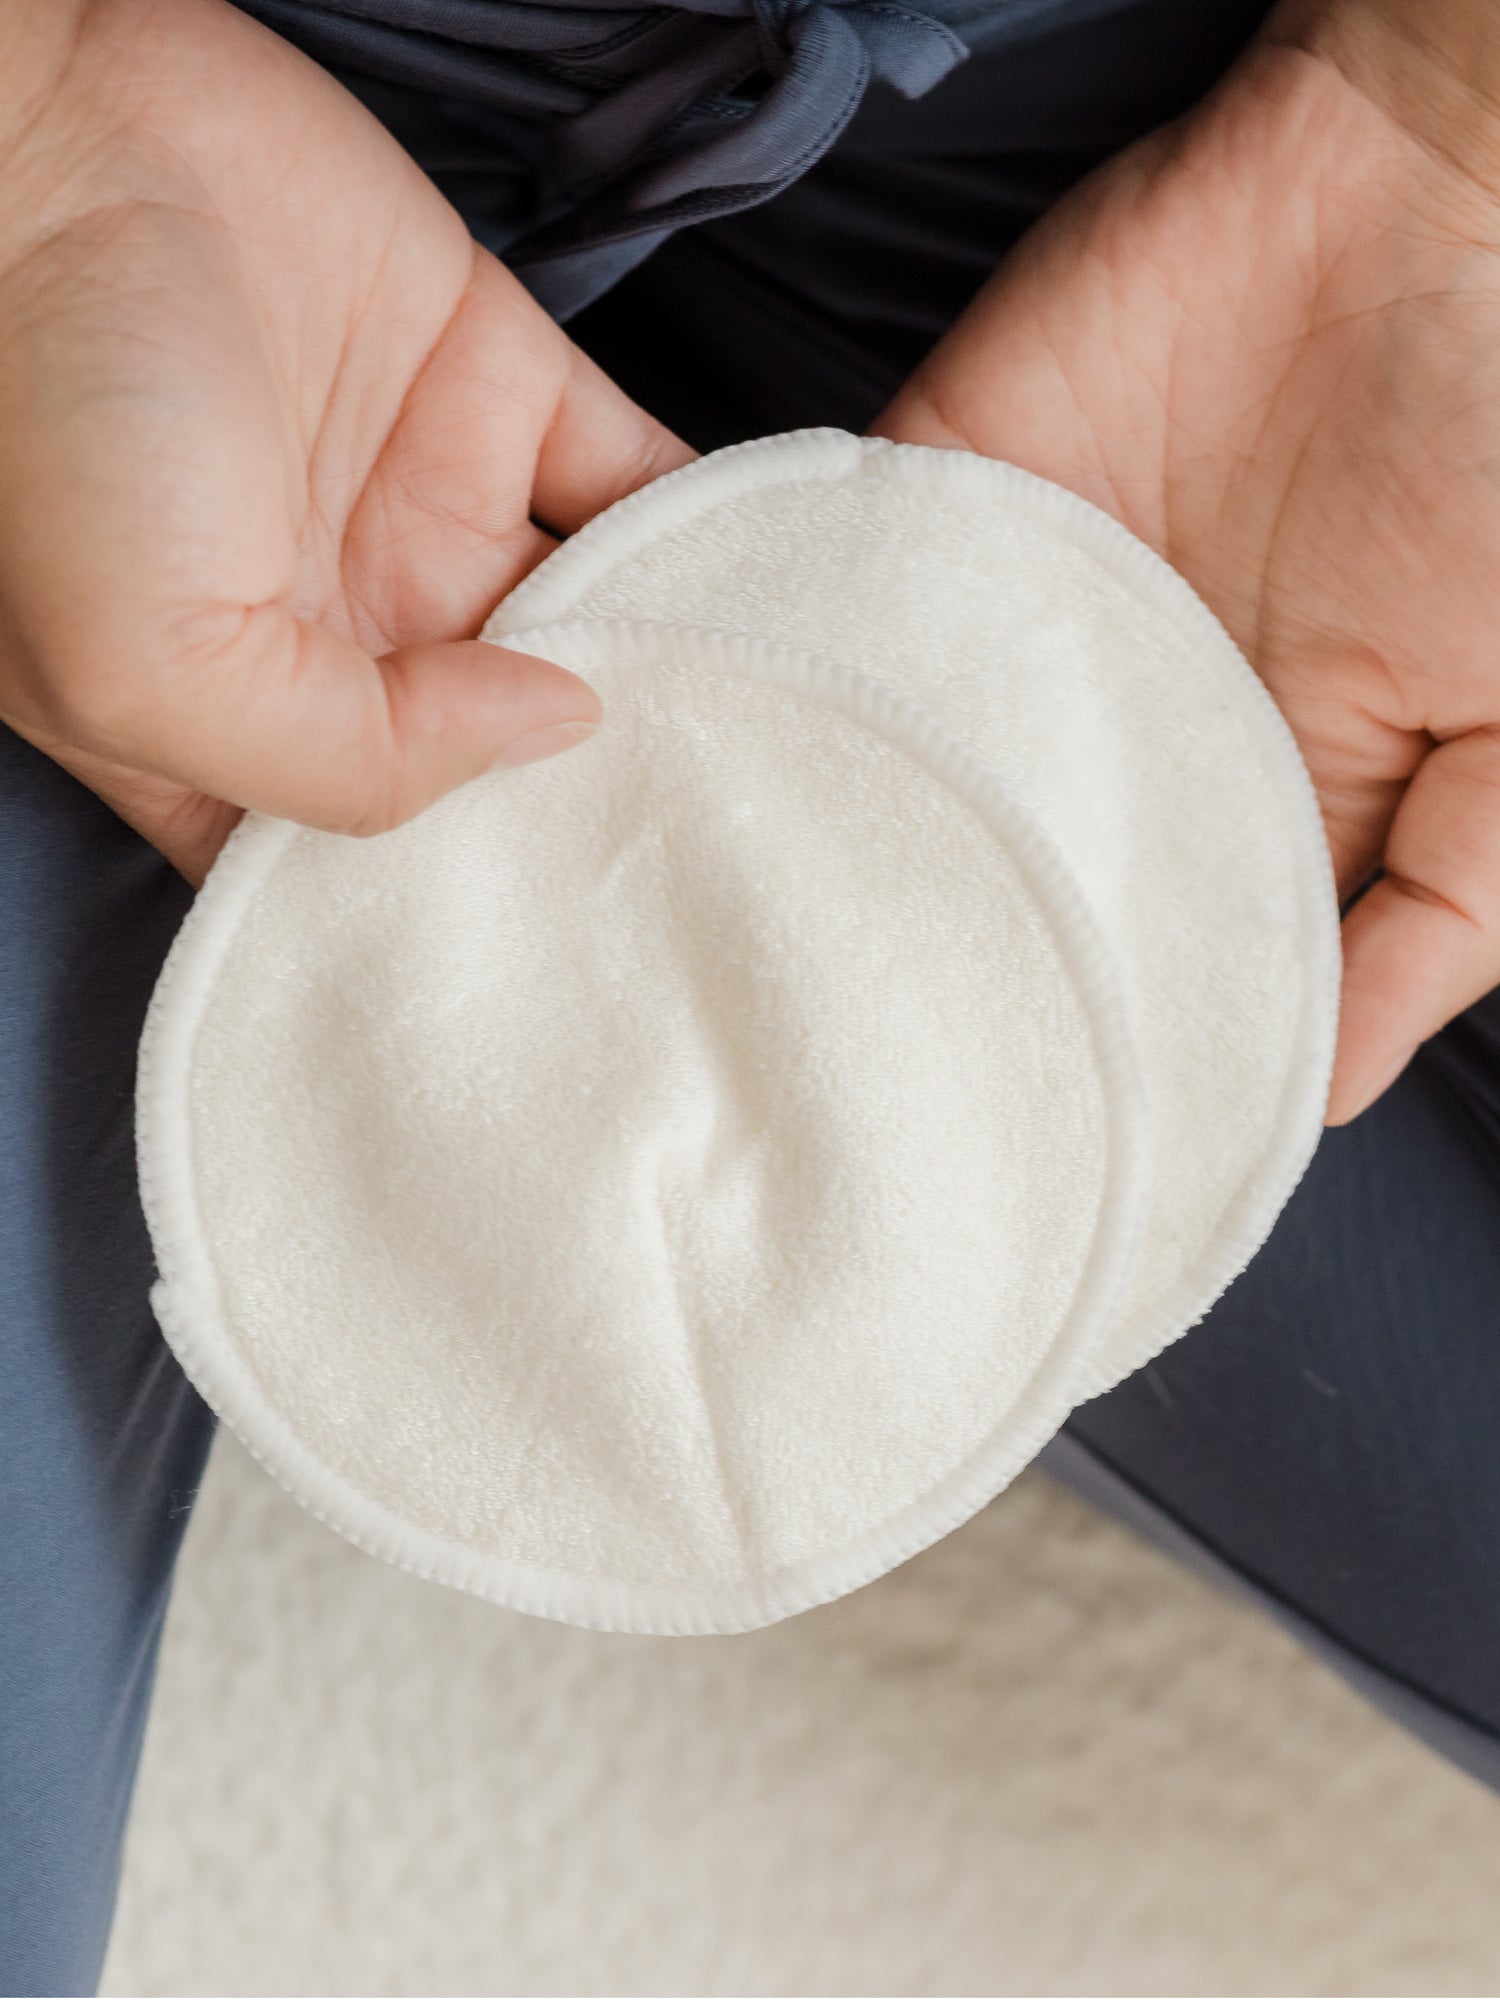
{"type": "Point", "coordinates": [1328, 1441]}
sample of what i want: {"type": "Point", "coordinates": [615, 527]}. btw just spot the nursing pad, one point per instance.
{"type": "Point", "coordinates": [1090, 678]}
{"type": "Point", "coordinates": [666, 1186]}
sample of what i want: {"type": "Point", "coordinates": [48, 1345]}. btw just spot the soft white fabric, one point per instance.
{"type": "Point", "coordinates": [663, 1187]}
{"type": "Point", "coordinates": [1087, 674]}
{"type": "Point", "coordinates": [666, 1187]}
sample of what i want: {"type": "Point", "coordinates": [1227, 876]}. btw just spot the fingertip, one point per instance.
{"type": "Point", "coordinates": [1407, 969]}
{"type": "Point", "coordinates": [600, 447]}
{"type": "Point", "coordinates": [532, 691]}
{"type": "Point", "coordinates": [456, 708]}
{"type": "Point", "coordinates": [1355, 1091]}
{"type": "Point", "coordinates": [537, 744]}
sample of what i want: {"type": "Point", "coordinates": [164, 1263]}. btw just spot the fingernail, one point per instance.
{"type": "Point", "coordinates": [539, 743]}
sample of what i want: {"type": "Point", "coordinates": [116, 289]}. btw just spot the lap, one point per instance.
{"type": "Point", "coordinates": [101, 1440]}
{"type": "Point", "coordinates": [1330, 1430]}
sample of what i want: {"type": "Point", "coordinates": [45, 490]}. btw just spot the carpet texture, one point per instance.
{"type": "Point", "coordinates": [1035, 1760]}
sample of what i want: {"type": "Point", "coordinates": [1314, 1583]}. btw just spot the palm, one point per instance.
{"type": "Point", "coordinates": [293, 388]}
{"type": "Point", "coordinates": [1269, 341]}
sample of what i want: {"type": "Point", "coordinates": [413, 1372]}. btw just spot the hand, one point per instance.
{"type": "Point", "coordinates": [274, 436]}
{"type": "Point", "coordinates": [1268, 340]}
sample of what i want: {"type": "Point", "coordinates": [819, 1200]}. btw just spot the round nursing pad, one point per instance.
{"type": "Point", "coordinates": [662, 1187]}
{"type": "Point", "coordinates": [1088, 675]}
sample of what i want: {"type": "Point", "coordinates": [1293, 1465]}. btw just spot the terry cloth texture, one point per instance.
{"type": "Point", "coordinates": [664, 1189]}
{"type": "Point", "coordinates": [1089, 676]}
{"type": "Point", "coordinates": [668, 1187]}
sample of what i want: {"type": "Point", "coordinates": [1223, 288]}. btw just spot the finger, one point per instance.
{"type": "Point", "coordinates": [599, 447]}
{"type": "Point", "coordinates": [506, 424]}
{"type": "Point", "coordinates": [915, 415]}
{"type": "Point", "coordinates": [995, 384]}
{"type": "Point", "coordinates": [1424, 943]}
{"type": "Point", "coordinates": [295, 720]}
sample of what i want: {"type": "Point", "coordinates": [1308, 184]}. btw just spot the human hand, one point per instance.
{"type": "Point", "coordinates": [274, 437]}
{"type": "Point", "coordinates": [1268, 341]}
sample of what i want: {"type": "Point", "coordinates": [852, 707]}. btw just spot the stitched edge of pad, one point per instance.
{"type": "Point", "coordinates": [554, 589]}
{"type": "Point", "coordinates": [189, 1306]}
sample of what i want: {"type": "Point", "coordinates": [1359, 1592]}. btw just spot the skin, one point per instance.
{"type": "Point", "coordinates": [274, 438]}
{"type": "Point", "coordinates": [1268, 340]}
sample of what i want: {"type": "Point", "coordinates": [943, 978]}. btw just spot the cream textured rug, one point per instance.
{"type": "Point", "coordinates": [1035, 1760]}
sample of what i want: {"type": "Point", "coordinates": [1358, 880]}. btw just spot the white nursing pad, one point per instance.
{"type": "Point", "coordinates": [1098, 687]}
{"type": "Point", "coordinates": [666, 1186]}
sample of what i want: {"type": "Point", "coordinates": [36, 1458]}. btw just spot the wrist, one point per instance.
{"type": "Point", "coordinates": [1431, 66]}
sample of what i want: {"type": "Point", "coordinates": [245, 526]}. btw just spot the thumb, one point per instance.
{"type": "Point", "coordinates": [289, 718]}
{"type": "Point", "coordinates": [1424, 942]}
{"type": "Point", "coordinates": [335, 739]}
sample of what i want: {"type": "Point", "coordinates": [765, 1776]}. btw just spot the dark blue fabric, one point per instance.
{"type": "Point", "coordinates": [584, 134]}
{"type": "Point", "coordinates": [813, 308]}
{"type": "Point", "coordinates": [1474, 1746]}
{"type": "Point", "coordinates": [1331, 1433]}
{"type": "Point", "coordinates": [102, 1442]}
